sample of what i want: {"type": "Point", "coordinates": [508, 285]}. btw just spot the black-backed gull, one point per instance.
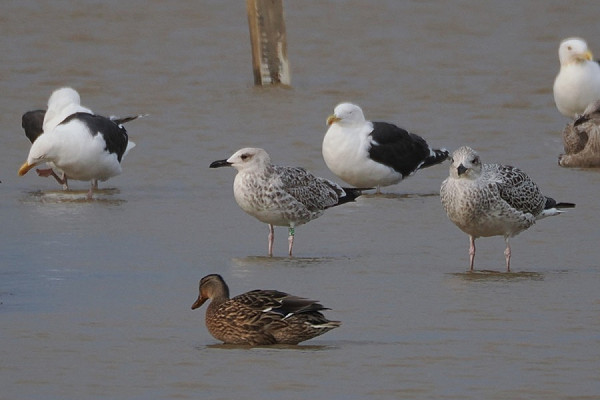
{"type": "Point", "coordinates": [82, 145]}
{"type": "Point", "coordinates": [364, 153]}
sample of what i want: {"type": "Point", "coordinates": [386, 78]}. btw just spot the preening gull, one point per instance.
{"type": "Point", "coordinates": [281, 195]}
{"type": "Point", "coordinates": [581, 140]}
{"type": "Point", "coordinates": [492, 199]}
{"type": "Point", "coordinates": [260, 317]}
{"type": "Point", "coordinates": [578, 81]}
{"type": "Point", "coordinates": [82, 145]}
{"type": "Point", "coordinates": [364, 153]}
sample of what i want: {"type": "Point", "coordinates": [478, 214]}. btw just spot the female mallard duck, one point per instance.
{"type": "Point", "coordinates": [260, 317]}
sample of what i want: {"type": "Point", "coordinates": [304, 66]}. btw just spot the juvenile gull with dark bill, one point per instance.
{"type": "Point", "coordinates": [281, 195]}
{"type": "Point", "coordinates": [492, 199]}
{"type": "Point", "coordinates": [365, 153]}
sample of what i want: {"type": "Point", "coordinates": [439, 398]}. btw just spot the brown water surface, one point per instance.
{"type": "Point", "coordinates": [95, 296]}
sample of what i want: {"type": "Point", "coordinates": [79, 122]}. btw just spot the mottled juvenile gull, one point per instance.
{"type": "Point", "coordinates": [581, 140]}
{"type": "Point", "coordinates": [260, 317]}
{"type": "Point", "coordinates": [365, 153]}
{"type": "Point", "coordinates": [82, 145]}
{"type": "Point", "coordinates": [492, 199]}
{"type": "Point", "coordinates": [279, 195]}
{"type": "Point", "coordinates": [578, 81]}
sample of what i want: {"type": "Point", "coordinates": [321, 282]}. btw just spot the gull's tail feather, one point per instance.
{"type": "Point", "coordinates": [350, 194]}
{"type": "Point", "coordinates": [122, 120]}
{"type": "Point", "coordinates": [552, 208]}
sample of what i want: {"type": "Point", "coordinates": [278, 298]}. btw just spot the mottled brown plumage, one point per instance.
{"type": "Point", "coordinates": [492, 199]}
{"type": "Point", "coordinates": [260, 317]}
{"type": "Point", "coordinates": [581, 139]}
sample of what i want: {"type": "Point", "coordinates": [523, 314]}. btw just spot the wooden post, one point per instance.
{"type": "Point", "coordinates": [269, 45]}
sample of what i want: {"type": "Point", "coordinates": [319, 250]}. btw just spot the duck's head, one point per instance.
{"type": "Point", "coordinates": [211, 286]}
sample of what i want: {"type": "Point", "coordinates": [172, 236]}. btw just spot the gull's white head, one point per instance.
{"type": "Point", "coordinates": [346, 114]}
{"type": "Point", "coordinates": [573, 50]}
{"type": "Point", "coordinates": [42, 150]}
{"type": "Point", "coordinates": [466, 164]}
{"type": "Point", "coordinates": [249, 157]}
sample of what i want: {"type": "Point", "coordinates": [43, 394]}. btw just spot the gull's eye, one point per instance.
{"type": "Point", "coordinates": [245, 157]}
{"type": "Point", "coordinates": [476, 161]}
{"type": "Point", "coordinates": [569, 48]}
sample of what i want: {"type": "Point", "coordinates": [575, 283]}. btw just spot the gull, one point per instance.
{"type": "Point", "coordinates": [491, 199]}
{"type": "Point", "coordinates": [281, 195]}
{"type": "Point", "coordinates": [364, 153]}
{"type": "Point", "coordinates": [578, 81]}
{"type": "Point", "coordinates": [32, 123]}
{"type": "Point", "coordinates": [82, 145]}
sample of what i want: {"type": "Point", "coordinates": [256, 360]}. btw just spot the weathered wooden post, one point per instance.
{"type": "Point", "coordinates": [269, 45]}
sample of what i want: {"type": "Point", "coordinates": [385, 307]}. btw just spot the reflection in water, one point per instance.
{"type": "Point", "coordinates": [245, 263]}
{"type": "Point", "coordinates": [490, 275]}
{"type": "Point", "coordinates": [296, 261]}
{"type": "Point", "coordinates": [400, 196]}
{"type": "Point", "coordinates": [122, 273]}
{"type": "Point", "coordinates": [243, 266]}
{"type": "Point", "coordinates": [274, 347]}
{"type": "Point", "coordinates": [73, 196]}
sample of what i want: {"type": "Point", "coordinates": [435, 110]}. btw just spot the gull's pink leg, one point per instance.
{"type": "Point", "coordinates": [291, 239]}
{"type": "Point", "coordinates": [271, 239]}
{"type": "Point", "coordinates": [90, 192]}
{"type": "Point", "coordinates": [93, 185]}
{"type": "Point", "coordinates": [46, 172]}
{"type": "Point", "coordinates": [471, 252]}
{"type": "Point", "coordinates": [66, 183]}
{"type": "Point", "coordinates": [507, 254]}
{"type": "Point", "coordinates": [50, 172]}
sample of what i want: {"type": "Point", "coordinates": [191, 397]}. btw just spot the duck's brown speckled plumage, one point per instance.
{"type": "Point", "coordinates": [260, 317]}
